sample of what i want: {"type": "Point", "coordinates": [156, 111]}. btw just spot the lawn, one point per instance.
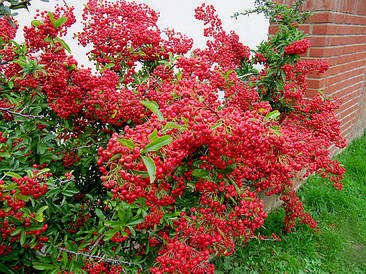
{"type": "Point", "coordinates": [338, 245]}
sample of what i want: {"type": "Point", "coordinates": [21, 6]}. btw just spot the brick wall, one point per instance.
{"type": "Point", "coordinates": [337, 32]}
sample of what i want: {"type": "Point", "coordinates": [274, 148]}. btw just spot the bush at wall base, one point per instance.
{"type": "Point", "coordinates": [154, 162]}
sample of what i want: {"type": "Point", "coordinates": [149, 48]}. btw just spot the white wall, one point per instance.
{"type": "Point", "coordinates": [176, 14]}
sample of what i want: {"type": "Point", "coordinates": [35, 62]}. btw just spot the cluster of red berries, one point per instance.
{"type": "Point", "coordinates": [298, 47]}
{"type": "Point", "coordinates": [14, 198]}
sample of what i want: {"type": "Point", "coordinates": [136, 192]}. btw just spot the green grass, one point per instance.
{"type": "Point", "coordinates": [339, 246]}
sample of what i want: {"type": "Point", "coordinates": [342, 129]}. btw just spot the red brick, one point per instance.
{"type": "Point", "coordinates": [346, 92]}
{"type": "Point", "coordinates": [327, 29]}
{"type": "Point", "coordinates": [335, 51]}
{"type": "Point", "coordinates": [350, 6]}
{"type": "Point", "coordinates": [325, 5]}
{"type": "Point", "coordinates": [273, 29]}
{"type": "Point", "coordinates": [351, 19]}
{"type": "Point", "coordinates": [344, 67]}
{"type": "Point", "coordinates": [361, 7]}
{"type": "Point", "coordinates": [345, 40]}
{"type": "Point", "coordinates": [336, 60]}
{"type": "Point", "coordinates": [341, 76]}
{"type": "Point", "coordinates": [321, 17]}
{"type": "Point", "coordinates": [345, 126]}
{"type": "Point", "coordinates": [305, 28]}
{"type": "Point", "coordinates": [309, 93]}
{"type": "Point", "coordinates": [340, 18]}
{"type": "Point", "coordinates": [319, 41]}
{"type": "Point", "coordinates": [340, 89]}
{"type": "Point", "coordinates": [347, 132]}
{"type": "Point", "coordinates": [351, 117]}
{"type": "Point", "coordinates": [352, 103]}
{"type": "Point", "coordinates": [341, 85]}
{"type": "Point", "coordinates": [309, 5]}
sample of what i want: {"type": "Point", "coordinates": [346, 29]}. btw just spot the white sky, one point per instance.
{"type": "Point", "coordinates": [176, 14]}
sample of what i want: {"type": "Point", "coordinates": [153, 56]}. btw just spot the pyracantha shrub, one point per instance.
{"type": "Point", "coordinates": [158, 160]}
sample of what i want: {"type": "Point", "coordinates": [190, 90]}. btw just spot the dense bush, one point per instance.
{"type": "Point", "coordinates": [154, 162]}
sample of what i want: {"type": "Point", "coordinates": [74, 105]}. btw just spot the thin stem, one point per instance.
{"type": "Point", "coordinates": [95, 257]}
{"type": "Point", "coordinates": [8, 110]}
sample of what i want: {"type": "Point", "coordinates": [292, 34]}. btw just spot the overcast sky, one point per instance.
{"type": "Point", "coordinates": [176, 14]}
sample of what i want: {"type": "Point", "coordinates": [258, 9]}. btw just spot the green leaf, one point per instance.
{"type": "Point", "coordinates": [171, 125]}
{"type": "Point", "coordinates": [41, 148]}
{"type": "Point", "coordinates": [22, 238]}
{"type": "Point", "coordinates": [153, 135]}
{"type": "Point", "coordinates": [43, 171]}
{"type": "Point", "coordinates": [141, 173]}
{"type": "Point", "coordinates": [42, 209]}
{"type": "Point", "coordinates": [36, 23]}
{"type": "Point", "coordinates": [99, 213]}
{"type": "Point", "coordinates": [12, 174]}
{"type": "Point", "coordinates": [158, 143]}
{"type": "Point", "coordinates": [133, 232]}
{"type": "Point", "coordinates": [52, 18]}
{"type": "Point", "coordinates": [216, 125]}
{"type": "Point", "coordinates": [23, 64]}
{"type": "Point", "coordinates": [14, 220]}
{"type": "Point", "coordinates": [201, 173]}
{"type": "Point", "coordinates": [126, 143]}
{"type": "Point", "coordinates": [41, 266]}
{"type": "Point", "coordinates": [63, 43]}
{"type": "Point", "coordinates": [69, 192]}
{"type": "Point", "coordinates": [23, 198]}
{"type": "Point", "coordinates": [39, 218]}
{"type": "Point", "coordinates": [136, 221]}
{"type": "Point", "coordinates": [60, 22]}
{"type": "Point", "coordinates": [151, 168]}
{"type": "Point", "coordinates": [17, 231]}
{"type": "Point", "coordinates": [5, 269]}
{"type": "Point", "coordinates": [107, 66]}
{"type": "Point", "coordinates": [10, 85]}
{"type": "Point", "coordinates": [116, 156]}
{"type": "Point", "coordinates": [273, 115]}
{"type": "Point", "coordinates": [110, 233]}
{"type": "Point", "coordinates": [154, 107]}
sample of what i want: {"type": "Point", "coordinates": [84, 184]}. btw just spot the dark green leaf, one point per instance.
{"type": "Point", "coordinates": [41, 266]}
{"type": "Point", "coordinates": [154, 108]}
{"type": "Point", "coordinates": [52, 18]}
{"type": "Point", "coordinates": [41, 148]}
{"type": "Point", "coordinates": [201, 173]}
{"type": "Point", "coordinates": [60, 22]}
{"type": "Point", "coordinates": [110, 233]}
{"type": "Point", "coordinates": [22, 238]}
{"type": "Point", "coordinates": [136, 221]}
{"type": "Point", "coordinates": [107, 66]}
{"type": "Point", "coordinates": [99, 213]}
{"type": "Point", "coordinates": [158, 143]}
{"type": "Point", "coordinates": [171, 125]}
{"type": "Point", "coordinates": [5, 269]}
{"type": "Point", "coordinates": [126, 143]}
{"type": "Point", "coordinates": [63, 43]}
{"type": "Point", "coordinates": [16, 231]}
{"type": "Point", "coordinates": [151, 168]}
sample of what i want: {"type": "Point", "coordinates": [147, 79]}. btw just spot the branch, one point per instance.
{"type": "Point", "coordinates": [100, 238]}
{"type": "Point", "coordinates": [96, 257]}
{"type": "Point", "coordinates": [8, 110]}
